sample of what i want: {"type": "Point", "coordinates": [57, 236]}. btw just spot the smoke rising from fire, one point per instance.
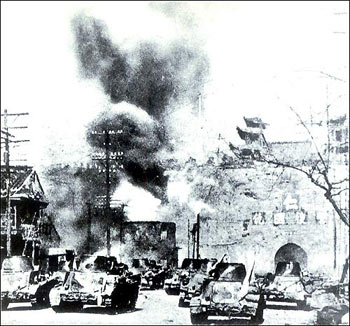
{"type": "Point", "coordinates": [150, 76]}
{"type": "Point", "coordinates": [157, 78]}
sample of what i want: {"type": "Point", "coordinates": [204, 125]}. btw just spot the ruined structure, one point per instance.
{"type": "Point", "coordinates": [151, 240]}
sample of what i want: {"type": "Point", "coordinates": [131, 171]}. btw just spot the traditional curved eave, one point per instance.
{"type": "Point", "coordinates": [19, 198]}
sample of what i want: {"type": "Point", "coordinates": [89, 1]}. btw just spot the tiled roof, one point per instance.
{"type": "Point", "coordinates": [24, 183]}
{"type": "Point", "coordinates": [17, 176]}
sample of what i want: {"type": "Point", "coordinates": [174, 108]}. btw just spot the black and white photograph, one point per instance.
{"type": "Point", "coordinates": [175, 163]}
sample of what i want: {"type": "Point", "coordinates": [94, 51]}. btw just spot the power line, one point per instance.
{"type": "Point", "coordinates": [8, 175]}
{"type": "Point", "coordinates": [13, 114]}
{"type": "Point", "coordinates": [106, 157]}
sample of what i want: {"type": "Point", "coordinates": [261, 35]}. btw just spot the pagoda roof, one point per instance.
{"type": "Point", "coordinates": [24, 184]}
{"type": "Point", "coordinates": [255, 123]}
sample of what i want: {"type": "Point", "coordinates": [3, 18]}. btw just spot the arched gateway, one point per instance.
{"type": "Point", "coordinates": [291, 252]}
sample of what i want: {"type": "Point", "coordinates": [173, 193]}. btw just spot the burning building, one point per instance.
{"type": "Point", "coordinates": [149, 240]}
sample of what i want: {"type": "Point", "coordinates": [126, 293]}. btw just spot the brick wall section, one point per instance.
{"type": "Point", "coordinates": [315, 238]}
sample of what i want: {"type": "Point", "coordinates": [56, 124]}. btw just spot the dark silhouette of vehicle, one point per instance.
{"type": "Point", "coordinates": [172, 282]}
{"type": "Point", "coordinates": [195, 271]}
{"type": "Point", "coordinates": [228, 291]}
{"type": "Point", "coordinates": [152, 274]}
{"type": "Point", "coordinates": [181, 277]}
{"type": "Point", "coordinates": [100, 281]}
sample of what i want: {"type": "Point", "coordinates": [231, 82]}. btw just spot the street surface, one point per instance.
{"type": "Point", "coordinates": [153, 308]}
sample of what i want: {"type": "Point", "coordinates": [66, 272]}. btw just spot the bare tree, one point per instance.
{"type": "Point", "coordinates": [318, 169]}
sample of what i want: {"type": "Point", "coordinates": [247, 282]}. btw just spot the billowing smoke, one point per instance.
{"type": "Point", "coordinates": [139, 138]}
{"type": "Point", "coordinates": [154, 78]}
{"type": "Point", "coordinates": [149, 76]}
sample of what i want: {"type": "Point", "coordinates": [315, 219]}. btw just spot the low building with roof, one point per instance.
{"type": "Point", "coordinates": [31, 227]}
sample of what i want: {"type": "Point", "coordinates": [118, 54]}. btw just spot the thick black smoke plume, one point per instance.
{"type": "Point", "coordinates": [140, 142]}
{"type": "Point", "coordinates": [151, 77]}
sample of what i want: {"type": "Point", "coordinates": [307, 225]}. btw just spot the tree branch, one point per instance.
{"type": "Point", "coordinates": [287, 165]}
{"type": "Point", "coordinates": [312, 138]}
{"type": "Point", "coordinates": [339, 192]}
{"type": "Point", "coordinates": [339, 182]}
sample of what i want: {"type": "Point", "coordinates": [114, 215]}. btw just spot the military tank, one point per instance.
{"type": "Point", "coordinates": [287, 285]}
{"type": "Point", "coordinates": [53, 267]}
{"type": "Point", "coordinates": [100, 281]}
{"type": "Point", "coordinates": [228, 291]}
{"type": "Point", "coordinates": [22, 282]}
{"type": "Point", "coordinates": [16, 273]}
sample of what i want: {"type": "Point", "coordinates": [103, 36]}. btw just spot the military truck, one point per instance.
{"type": "Point", "coordinates": [100, 281]}
{"type": "Point", "coordinates": [228, 291]}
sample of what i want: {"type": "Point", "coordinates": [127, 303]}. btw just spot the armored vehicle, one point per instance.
{"type": "Point", "coordinates": [228, 291]}
{"type": "Point", "coordinates": [152, 274]}
{"type": "Point", "coordinates": [192, 280]}
{"type": "Point", "coordinates": [172, 284]}
{"type": "Point", "coordinates": [21, 282]}
{"type": "Point", "coordinates": [16, 274]}
{"type": "Point", "coordinates": [99, 281]}
{"type": "Point", "coordinates": [181, 276]}
{"type": "Point", "coordinates": [287, 285]}
{"type": "Point", "coordinates": [52, 269]}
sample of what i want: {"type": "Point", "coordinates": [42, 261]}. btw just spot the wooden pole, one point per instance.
{"type": "Point", "coordinates": [198, 227]}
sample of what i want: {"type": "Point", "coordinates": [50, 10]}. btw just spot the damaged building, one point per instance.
{"type": "Point", "coordinates": [148, 240]}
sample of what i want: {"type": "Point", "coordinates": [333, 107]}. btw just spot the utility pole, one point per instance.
{"type": "Point", "coordinates": [8, 176]}
{"type": "Point", "coordinates": [201, 126]}
{"type": "Point", "coordinates": [89, 228]}
{"type": "Point", "coordinates": [8, 187]}
{"type": "Point", "coordinates": [188, 238]}
{"type": "Point", "coordinates": [107, 157]}
{"type": "Point", "coordinates": [108, 195]}
{"type": "Point", "coordinates": [194, 244]}
{"type": "Point", "coordinates": [198, 227]}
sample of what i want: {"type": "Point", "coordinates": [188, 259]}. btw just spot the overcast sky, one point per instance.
{"type": "Point", "coordinates": [263, 57]}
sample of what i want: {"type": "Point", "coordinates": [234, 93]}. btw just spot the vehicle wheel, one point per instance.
{"type": "Point", "coordinates": [172, 292]}
{"type": "Point", "coordinates": [68, 307]}
{"type": "Point", "coordinates": [110, 310]}
{"type": "Point", "coordinates": [182, 302]}
{"type": "Point", "coordinates": [114, 304]}
{"type": "Point", "coordinates": [199, 318]}
{"type": "Point", "coordinates": [58, 309]}
{"type": "Point", "coordinates": [5, 303]}
{"type": "Point", "coordinates": [41, 301]}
